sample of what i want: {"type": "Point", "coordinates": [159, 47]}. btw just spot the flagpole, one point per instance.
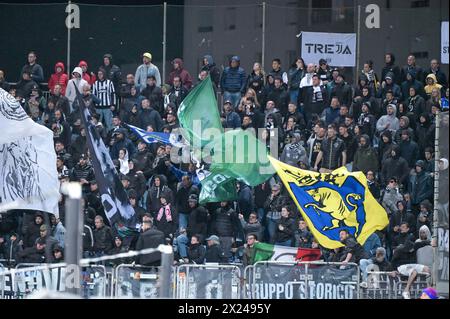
{"type": "Point", "coordinates": [436, 203]}
{"type": "Point", "coordinates": [68, 45]}
{"type": "Point", "coordinates": [73, 238]}
{"type": "Point", "coordinates": [164, 43]}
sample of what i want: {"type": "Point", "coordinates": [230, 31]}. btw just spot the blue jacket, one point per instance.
{"type": "Point", "coordinates": [233, 120]}
{"type": "Point", "coordinates": [330, 114]}
{"type": "Point", "coordinates": [233, 80]}
{"type": "Point", "coordinates": [371, 244]}
{"type": "Point", "coordinates": [180, 173]}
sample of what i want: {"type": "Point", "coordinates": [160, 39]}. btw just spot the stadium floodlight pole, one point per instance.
{"type": "Point", "coordinates": [68, 45]}
{"type": "Point", "coordinates": [164, 43]}
{"type": "Point", "coordinates": [263, 40]}
{"type": "Point", "coordinates": [436, 202]}
{"type": "Point", "coordinates": [74, 231]}
{"type": "Point", "coordinates": [166, 271]}
{"type": "Point", "coordinates": [358, 39]}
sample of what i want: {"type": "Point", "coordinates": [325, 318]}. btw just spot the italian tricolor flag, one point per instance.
{"type": "Point", "coordinates": [265, 252]}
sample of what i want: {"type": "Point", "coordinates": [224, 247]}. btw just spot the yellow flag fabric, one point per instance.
{"type": "Point", "coordinates": [332, 202]}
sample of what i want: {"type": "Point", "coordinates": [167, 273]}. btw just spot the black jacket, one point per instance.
{"type": "Point", "coordinates": [144, 160]}
{"type": "Point", "coordinates": [353, 247]}
{"type": "Point", "coordinates": [151, 117]}
{"type": "Point", "coordinates": [103, 239]}
{"type": "Point", "coordinates": [343, 92]}
{"type": "Point", "coordinates": [288, 232]}
{"type": "Point", "coordinates": [224, 222]}
{"type": "Point", "coordinates": [151, 238]}
{"type": "Point", "coordinates": [182, 198]}
{"type": "Point", "coordinates": [197, 253]}
{"type": "Point", "coordinates": [395, 166]}
{"type": "Point", "coordinates": [82, 172]}
{"type": "Point", "coordinates": [214, 254]}
{"type": "Point", "coordinates": [198, 222]}
{"type": "Point", "coordinates": [310, 104]}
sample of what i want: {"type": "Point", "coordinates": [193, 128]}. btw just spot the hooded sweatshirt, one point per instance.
{"type": "Point", "coordinates": [213, 70]}
{"type": "Point", "coordinates": [407, 84]}
{"type": "Point", "coordinates": [366, 158]}
{"type": "Point", "coordinates": [394, 124]}
{"type": "Point", "coordinates": [60, 78]}
{"type": "Point", "coordinates": [434, 85]}
{"type": "Point", "coordinates": [71, 92]}
{"type": "Point", "coordinates": [184, 75]}
{"type": "Point", "coordinates": [395, 166]}
{"type": "Point", "coordinates": [90, 78]}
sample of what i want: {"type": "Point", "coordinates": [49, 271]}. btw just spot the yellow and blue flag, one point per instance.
{"type": "Point", "coordinates": [332, 202]}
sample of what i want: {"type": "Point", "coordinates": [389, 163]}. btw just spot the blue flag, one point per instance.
{"type": "Point", "coordinates": [157, 137]}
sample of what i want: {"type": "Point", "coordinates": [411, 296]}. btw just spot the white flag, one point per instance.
{"type": "Point", "coordinates": [28, 176]}
{"type": "Point", "coordinates": [338, 49]}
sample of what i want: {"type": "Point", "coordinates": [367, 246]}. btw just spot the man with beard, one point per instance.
{"type": "Point", "coordinates": [366, 157]}
{"type": "Point", "coordinates": [61, 129]}
{"type": "Point", "coordinates": [60, 150]}
{"type": "Point", "coordinates": [153, 93]}
{"type": "Point", "coordinates": [314, 142]}
{"type": "Point", "coordinates": [119, 142]}
{"type": "Point", "coordinates": [294, 152]}
{"type": "Point", "coordinates": [379, 262]}
{"type": "Point", "coordinates": [59, 100]}
{"type": "Point", "coordinates": [82, 173]}
{"type": "Point", "coordinates": [79, 146]}
{"type": "Point", "coordinates": [144, 160]}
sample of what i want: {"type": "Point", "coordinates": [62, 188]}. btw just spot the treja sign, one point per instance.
{"type": "Point", "coordinates": [339, 49]}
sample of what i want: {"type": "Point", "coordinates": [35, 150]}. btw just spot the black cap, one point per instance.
{"type": "Point", "coordinates": [322, 62]}
{"type": "Point", "coordinates": [132, 194]}
{"type": "Point", "coordinates": [193, 197]}
{"type": "Point", "coordinates": [124, 178]}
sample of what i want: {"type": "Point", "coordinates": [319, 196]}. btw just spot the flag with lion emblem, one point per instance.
{"type": "Point", "coordinates": [332, 202]}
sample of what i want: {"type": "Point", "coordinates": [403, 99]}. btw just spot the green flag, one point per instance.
{"type": "Point", "coordinates": [199, 112]}
{"type": "Point", "coordinates": [241, 155]}
{"type": "Point", "coordinates": [235, 154]}
{"type": "Point", "coordinates": [217, 187]}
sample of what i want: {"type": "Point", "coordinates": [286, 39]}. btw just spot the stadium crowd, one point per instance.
{"type": "Point", "coordinates": [382, 124]}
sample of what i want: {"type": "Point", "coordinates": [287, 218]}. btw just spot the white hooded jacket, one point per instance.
{"type": "Point", "coordinates": [71, 93]}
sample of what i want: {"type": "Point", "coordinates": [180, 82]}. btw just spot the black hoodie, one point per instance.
{"type": "Point", "coordinates": [425, 133]}
{"type": "Point", "coordinates": [113, 72]}
{"type": "Point", "coordinates": [391, 67]}
{"type": "Point", "coordinates": [395, 166]}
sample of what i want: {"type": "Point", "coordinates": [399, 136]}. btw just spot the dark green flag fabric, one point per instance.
{"type": "Point", "coordinates": [240, 155]}
{"type": "Point", "coordinates": [234, 154]}
{"type": "Point", "coordinates": [199, 112]}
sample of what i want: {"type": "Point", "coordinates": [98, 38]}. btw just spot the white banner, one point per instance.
{"type": "Point", "coordinates": [339, 49]}
{"type": "Point", "coordinates": [28, 176]}
{"type": "Point", "coordinates": [444, 42]}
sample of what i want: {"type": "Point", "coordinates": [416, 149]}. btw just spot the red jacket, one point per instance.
{"type": "Point", "coordinates": [184, 75]}
{"type": "Point", "coordinates": [89, 78]}
{"type": "Point", "coordinates": [60, 78]}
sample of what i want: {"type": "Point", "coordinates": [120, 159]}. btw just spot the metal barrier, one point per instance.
{"type": "Point", "coordinates": [247, 280]}
{"type": "Point", "coordinates": [423, 280]}
{"type": "Point", "coordinates": [304, 280]}
{"type": "Point", "coordinates": [383, 285]}
{"type": "Point", "coordinates": [208, 282]}
{"type": "Point", "coordinates": [131, 281]}
{"type": "Point", "coordinates": [379, 285]}
{"type": "Point", "coordinates": [27, 278]}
